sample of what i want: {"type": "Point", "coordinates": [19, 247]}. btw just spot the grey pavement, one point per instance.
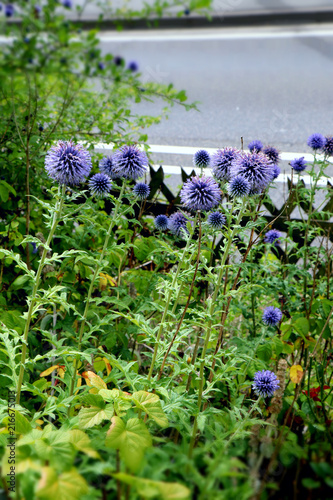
{"type": "Point", "coordinates": [274, 85]}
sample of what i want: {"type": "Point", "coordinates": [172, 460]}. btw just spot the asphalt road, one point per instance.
{"type": "Point", "coordinates": [274, 84]}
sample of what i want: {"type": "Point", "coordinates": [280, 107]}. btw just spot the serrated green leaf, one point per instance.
{"type": "Point", "coordinates": [151, 404]}
{"type": "Point", "coordinates": [69, 485]}
{"type": "Point", "coordinates": [147, 488]}
{"type": "Point", "coordinates": [89, 417]}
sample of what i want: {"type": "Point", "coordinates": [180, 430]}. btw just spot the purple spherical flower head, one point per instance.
{"type": "Point", "coordinates": [133, 66]}
{"type": "Point", "coordinates": [216, 220]}
{"type": "Point", "coordinates": [68, 163]}
{"type": "Point", "coordinates": [221, 162]}
{"type": "Point", "coordinates": [265, 383]}
{"type": "Point", "coordinates": [238, 187]}
{"type": "Point", "coordinates": [272, 153]}
{"type": "Point", "coordinates": [100, 185]}
{"type": "Point", "coordinates": [255, 168]}
{"type": "Point", "coordinates": [272, 236]}
{"type": "Point", "coordinates": [328, 146]}
{"type": "Point", "coordinates": [299, 164]}
{"type": "Point", "coordinates": [161, 222]}
{"type": "Point", "coordinates": [201, 159]}
{"type": "Point", "coordinates": [130, 162]}
{"type": "Point", "coordinates": [101, 66]}
{"type": "Point", "coordinates": [200, 193]}
{"type": "Point", "coordinates": [177, 223]}
{"type": "Point", "coordinates": [141, 190]}
{"type": "Point", "coordinates": [9, 10]}
{"type": "Point", "coordinates": [118, 60]}
{"type": "Point", "coordinates": [316, 141]}
{"type": "Point", "coordinates": [67, 3]}
{"type": "Point", "coordinates": [255, 146]}
{"type": "Point", "coordinates": [106, 167]}
{"type": "Point", "coordinates": [276, 171]}
{"type": "Point", "coordinates": [272, 316]}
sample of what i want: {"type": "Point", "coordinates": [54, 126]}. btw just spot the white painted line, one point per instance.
{"type": "Point", "coordinates": [283, 177]}
{"type": "Point", "coordinates": [215, 34]}
{"type": "Point", "coordinates": [189, 150]}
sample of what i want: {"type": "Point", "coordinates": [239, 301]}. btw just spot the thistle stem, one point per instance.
{"type": "Point", "coordinates": [98, 268]}
{"type": "Point", "coordinates": [56, 217]}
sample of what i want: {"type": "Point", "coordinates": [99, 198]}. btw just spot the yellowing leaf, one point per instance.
{"type": "Point", "coordinates": [67, 486]}
{"type": "Point", "coordinates": [296, 373]}
{"type": "Point", "coordinates": [131, 439]}
{"type": "Point", "coordinates": [147, 488]}
{"type": "Point", "coordinates": [89, 417]}
{"type": "Point", "coordinates": [47, 372]}
{"type": "Point", "coordinates": [151, 404]}
{"type": "Point", "coordinates": [94, 380]}
{"type": "Point", "coordinates": [81, 442]}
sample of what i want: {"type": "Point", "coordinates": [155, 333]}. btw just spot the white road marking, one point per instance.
{"type": "Point", "coordinates": [189, 150]}
{"type": "Point", "coordinates": [205, 34]}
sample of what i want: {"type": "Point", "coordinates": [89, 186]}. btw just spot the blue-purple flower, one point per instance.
{"type": "Point", "coordinates": [328, 146]}
{"type": "Point", "coordinates": [133, 66]}
{"type": "Point", "coordinates": [141, 190]}
{"type": "Point", "coordinates": [255, 145]}
{"type": "Point", "coordinates": [316, 141]}
{"type": "Point", "coordinates": [67, 3]}
{"type": "Point", "coordinates": [9, 10]}
{"type": "Point", "coordinates": [276, 171]}
{"type": "Point", "coordinates": [100, 185]}
{"type": "Point", "coordinates": [161, 222]}
{"type": "Point", "coordinates": [130, 162]}
{"type": "Point", "coordinates": [177, 223]}
{"type": "Point", "coordinates": [271, 316]}
{"type": "Point", "coordinates": [299, 164]}
{"type": "Point", "coordinates": [272, 236]}
{"type": "Point", "coordinates": [201, 159]}
{"type": "Point", "coordinates": [255, 168]}
{"type": "Point", "coordinates": [200, 193]}
{"type": "Point", "coordinates": [265, 383]}
{"type": "Point", "coordinates": [118, 60]}
{"type": "Point", "coordinates": [106, 167]}
{"type": "Point", "coordinates": [101, 65]}
{"type": "Point", "coordinates": [216, 220]}
{"type": "Point", "coordinates": [272, 153]}
{"type": "Point", "coordinates": [221, 162]}
{"type": "Point", "coordinates": [68, 163]}
{"type": "Point", "coordinates": [238, 187]}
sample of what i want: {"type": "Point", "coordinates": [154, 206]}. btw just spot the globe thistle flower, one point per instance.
{"type": "Point", "coordinates": [216, 220]}
{"type": "Point", "coordinates": [118, 60]}
{"type": "Point", "coordinates": [9, 10]}
{"type": "Point", "coordinates": [101, 65]}
{"type": "Point", "coordinates": [265, 383]}
{"type": "Point", "coordinates": [299, 164]}
{"type": "Point", "coordinates": [133, 66]}
{"type": "Point", "coordinates": [100, 185]}
{"type": "Point", "coordinates": [272, 236]}
{"type": "Point", "coordinates": [316, 141]}
{"type": "Point", "coordinates": [68, 163]}
{"type": "Point", "coordinates": [271, 316]}
{"type": "Point", "coordinates": [328, 146]}
{"type": "Point", "coordinates": [221, 162]}
{"type": "Point", "coordinates": [201, 159]}
{"type": "Point", "coordinates": [130, 162]}
{"type": "Point", "coordinates": [255, 146]}
{"type": "Point", "coordinates": [238, 187]}
{"type": "Point", "coordinates": [255, 168]}
{"type": "Point", "coordinates": [177, 223]}
{"type": "Point", "coordinates": [141, 190]}
{"type": "Point", "coordinates": [272, 153]}
{"type": "Point", "coordinates": [106, 167]}
{"type": "Point", "coordinates": [276, 171]}
{"type": "Point", "coordinates": [67, 3]}
{"type": "Point", "coordinates": [161, 222]}
{"type": "Point", "coordinates": [200, 193]}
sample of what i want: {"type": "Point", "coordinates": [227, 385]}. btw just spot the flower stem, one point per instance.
{"type": "Point", "coordinates": [98, 268]}
{"type": "Point", "coordinates": [56, 216]}
{"type": "Point", "coordinates": [168, 300]}
{"type": "Point", "coordinates": [210, 322]}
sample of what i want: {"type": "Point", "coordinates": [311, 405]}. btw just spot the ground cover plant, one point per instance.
{"type": "Point", "coordinates": [152, 349]}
